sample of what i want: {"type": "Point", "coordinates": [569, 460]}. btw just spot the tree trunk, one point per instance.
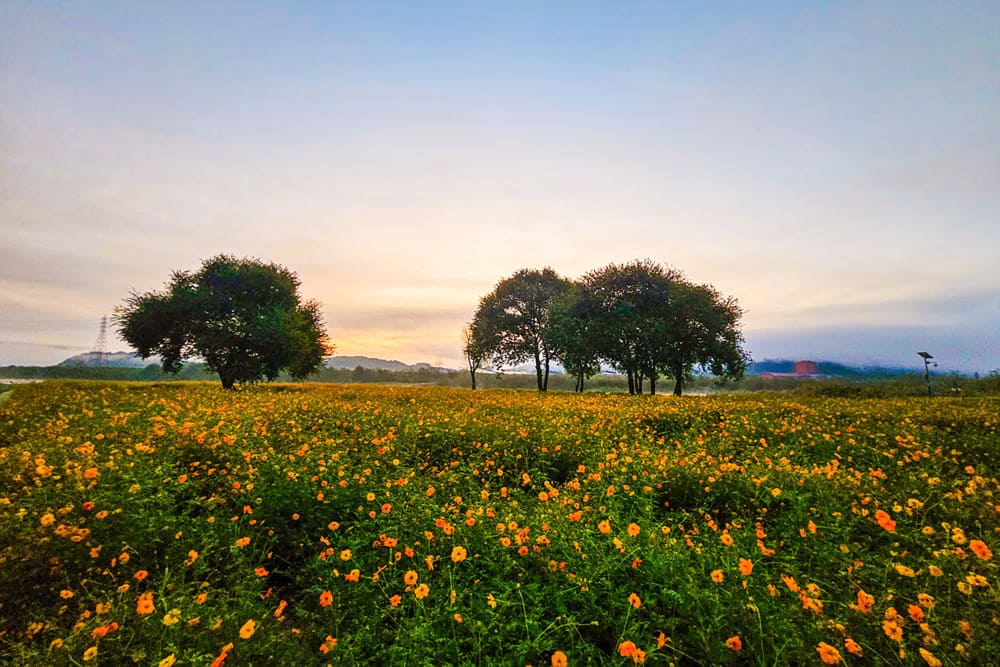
{"type": "Point", "coordinates": [545, 383]}
{"type": "Point", "coordinates": [538, 371]}
{"type": "Point", "coordinates": [631, 382]}
{"type": "Point", "coordinates": [579, 382]}
{"type": "Point", "coordinates": [472, 373]}
{"type": "Point", "coordinates": [678, 381]}
{"type": "Point", "coordinates": [227, 378]}
{"type": "Point", "coordinates": [652, 384]}
{"type": "Point", "coordinates": [638, 382]}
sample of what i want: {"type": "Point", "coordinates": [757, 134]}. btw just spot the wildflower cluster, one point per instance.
{"type": "Point", "coordinates": [378, 525]}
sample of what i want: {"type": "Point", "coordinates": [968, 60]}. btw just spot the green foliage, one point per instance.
{"type": "Point", "coordinates": [244, 318]}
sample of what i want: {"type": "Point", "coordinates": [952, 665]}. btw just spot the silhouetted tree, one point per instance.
{"type": "Point", "coordinates": [512, 322]}
{"type": "Point", "coordinates": [573, 321]}
{"type": "Point", "coordinates": [243, 317]}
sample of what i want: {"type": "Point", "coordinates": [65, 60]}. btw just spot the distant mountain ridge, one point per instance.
{"type": "Point", "coordinates": [132, 360]}
{"type": "Point", "coordinates": [110, 359]}
{"type": "Point", "coordinates": [375, 364]}
{"type": "Point", "coordinates": [828, 368]}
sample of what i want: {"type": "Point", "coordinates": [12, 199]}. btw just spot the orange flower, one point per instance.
{"type": "Point", "coordinates": [916, 613]}
{"type": "Point", "coordinates": [635, 600]}
{"type": "Point", "coordinates": [410, 578]}
{"type": "Point", "coordinates": [746, 567]}
{"type": "Point", "coordinates": [345, 555]}
{"type": "Point", "coordinates": [140, 575]}
{"type": "Point", "coordinates": [853, 647]}
{"type": "Point", "coordinates": [421, 591]}
{"type": "Point", "coordinates": [980, 549]}
{"type": "Point", "coordinates": [735, 643]}
{"type": "Point", "coordinates": [144, 606]}
{"type": "Point", "coordinates": [633, 530]}
{"type": "Point", "coordinates": [929, 658]}
{"type": "Point", "coordinates": [458, 554]}
{"type": "Point", "coordinates": [892, 630]}
{"type": "Point", "coordinates": [717, 576]}
{"type": "Point", "coordinates": [246, 632]}
{"type": "Point", "coordinates": [727, 539]}
{"type": "Point", "coordinates": [242, 542]}
{"type": "Point", "coordinates": [325, 599]}
{"type": "Point", "coordinates": [865, 602]}
{"type": "Point", "coordinates": [559, 659]}
{"type": "Point", "coordinates": [281, 609]}
{"type": "Point", "coordinates": [626, 649]}
{"type": "Point", "coordinates": [828, 654]}
{"type": "Point", "coordinates": [395, 600]}
{"type": "Point", "coordinates": [926, 601]}
{"type": "Point", "coordinates": [604, 526]}
{"type": "Point", "coordinates": [90, 654]}
{"type": "Point", "coordinates": [884, 520]}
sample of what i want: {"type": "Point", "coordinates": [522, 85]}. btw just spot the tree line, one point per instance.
{"type": "Point", "coordinates": [644, 320]}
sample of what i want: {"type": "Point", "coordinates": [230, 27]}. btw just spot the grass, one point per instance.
{"type": "Point", "coordinates": [176, 523]}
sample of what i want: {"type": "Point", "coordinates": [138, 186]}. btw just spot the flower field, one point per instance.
{"type": "Point", "coordinates": [163, 524]}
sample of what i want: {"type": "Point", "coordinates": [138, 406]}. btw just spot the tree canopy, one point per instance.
{"type": "Point", "coordinates": [511, 325]}
{"type": "Point", "coordinates": [242, 316]}
{"type": "Point", "coordinates": [644, 320]}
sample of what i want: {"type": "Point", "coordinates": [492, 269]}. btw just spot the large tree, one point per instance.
{"type": "Point", "coordinates": [632, 317]}
{"type": "Point", "coordinates": [243, 317]}
{"type": "Point", "coordinates": [573, 321]}
{"type": "Point", "coordinates": [512, 322]}
{"type": "Point", "coordinates": [705, 333]}
{"type": "Point", "coordinates": [651, 320]}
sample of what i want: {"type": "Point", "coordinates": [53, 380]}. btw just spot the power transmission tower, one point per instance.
{"type": "Point", "coordinates": [101, 346]}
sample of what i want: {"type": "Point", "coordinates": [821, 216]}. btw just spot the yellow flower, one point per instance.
{"type": "Point", "coordinates": [410, 578]}
{"type": "Point", "coordinates": [172, 617]}
{"type": "Point", "coordinates": [168, 661]}
{"type": "Point", "coordinates": [246, 632]}
{"type": "Point", "coordinates": [458, 554]}
{"type": "Point", "coordinates": [421, 591]}
{"type": "Point", "coordinates": [90, 654]}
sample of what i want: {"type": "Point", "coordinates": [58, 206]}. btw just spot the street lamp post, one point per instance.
{"type": "Point", "coordinates": [927, 370]}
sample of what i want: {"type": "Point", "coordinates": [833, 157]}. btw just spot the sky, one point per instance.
{"type": "Point", "coordinates": [835, 166]}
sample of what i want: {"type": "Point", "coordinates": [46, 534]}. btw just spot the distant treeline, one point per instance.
{"type": "Point", "coordinates": [855, 386]}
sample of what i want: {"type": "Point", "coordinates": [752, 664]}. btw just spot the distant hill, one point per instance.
{"type": "Point", "coordinates": [829, 368]}
{"type": "Point", "coordinates": [109, 359]}
{"type": "Point", "coordinates": [373, 363]}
